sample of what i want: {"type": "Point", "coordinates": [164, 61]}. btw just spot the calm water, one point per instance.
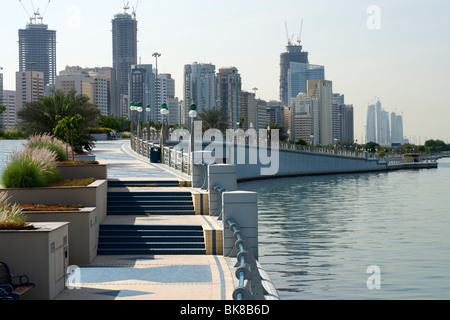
{"type": "Point", "coordinates": [318, 235]}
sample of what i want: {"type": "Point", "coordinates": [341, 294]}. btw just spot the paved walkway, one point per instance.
{"type": "Point", "coordinates": [150, 277]}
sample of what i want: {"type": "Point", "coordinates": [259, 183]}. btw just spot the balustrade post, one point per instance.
{"type": "Point", "coordinates": [242, 208]}
{"type": "Point", "coordinates": [221, 175]}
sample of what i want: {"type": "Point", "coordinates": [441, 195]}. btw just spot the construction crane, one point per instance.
{"type": "Point", "coordinates": [126, 6]}
{"type": "Point", "coordinates": [299, 40]}
{"type": "Point", "coordinates": [36, 12]}
{"type": "Point", "coordinates": [287, 35]}
{"type": "Point", "coordinates": [135, 9]}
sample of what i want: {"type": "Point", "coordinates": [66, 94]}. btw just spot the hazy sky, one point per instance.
{"type": "Point", "coordinates": [404, 60]}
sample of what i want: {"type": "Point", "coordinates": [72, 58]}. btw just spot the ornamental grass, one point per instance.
{"type": "Point", "coordinates": [31, 168]}
{"type": "Point", "coordinates": [48, 141]}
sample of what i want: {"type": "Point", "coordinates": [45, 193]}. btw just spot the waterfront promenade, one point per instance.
{"type": "Point", "coordinates": [150, 277]}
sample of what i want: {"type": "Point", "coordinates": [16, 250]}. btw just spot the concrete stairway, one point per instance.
{"type": "Point", "coordinates": [150, 203]}
{"type": "Point", "coordinates": [150, 240]}
{"type": "Point", "coordinates": [129, 239]}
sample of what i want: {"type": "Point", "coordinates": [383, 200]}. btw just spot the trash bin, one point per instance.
{"type": "Point", "coordinates": [155, 155]}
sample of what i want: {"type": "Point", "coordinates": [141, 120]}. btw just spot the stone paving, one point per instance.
{"type": "Point", "coordinates": [183, 277]}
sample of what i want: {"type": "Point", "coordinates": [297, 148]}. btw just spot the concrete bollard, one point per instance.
{"type": "Point", "coordinates": [198, 173]}
{"type": "Point", "coordinates": [242, 208]}
{"type": "Point", "coordinates": [221, 175]}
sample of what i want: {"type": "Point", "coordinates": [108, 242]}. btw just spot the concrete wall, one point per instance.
{"type": "Point", "coordinates": [94, 195]}
{"type": "Point", "coordinates": [99, 172]}
{"type": "Point", "coordinates": [41, 254]}
{"type": "Point", "coordinates": [251, 161]}
{"type": "Point", "coordinates": [83, 232]}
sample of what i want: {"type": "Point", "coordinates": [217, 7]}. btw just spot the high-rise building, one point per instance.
{"type": "Point", "coordinates": [113, 87]}
{"type": "Point", "coordinates": [298, 76]}
{"type": "Point", "coordinates": [199, 86]}
{"type": "Point", "coordinates": [322, 90]}
{"type": "Point", "coordinates": [124, 41]}
{"type": "Point", "coordinates": [84, 82]}
{"type": "Point", "coordinates": [261, 108]}
{"type": "Point", "coordinates": [294, 53]}
{"type": "Point", "coordinates": [1, 89]}
{"type": "Point", "coordinates": [396, 129]}
{"type": "Point", "coordinates": [1, 98]}
{"type": "Point", "coordinates": [166, 93]}
{"type": "Point", "coordinates": [37, 50]}
{"type": "Point", "coordinates": [304, 121]}
{"type": "Point", "coordinates": [142, 89]}
{"type": "Point", "coordinates": [29, 87]}
{"type": "Point", "coordinates": [343, 119]}
{"type": "Point", "coordinates": [228, 91]}
{"type": "Point", "coordinates": [371, 129]}
{"type": "Point", "coordinates": [249, 110]}
{"type": "Point", "coordinates": [9, 116]}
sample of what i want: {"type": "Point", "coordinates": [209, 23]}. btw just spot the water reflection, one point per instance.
{"type": "Point", "coordinates": [319, 234]}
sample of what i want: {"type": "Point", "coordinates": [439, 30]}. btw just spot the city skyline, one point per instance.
{"type": "Point", "coordinates": [403, 62]}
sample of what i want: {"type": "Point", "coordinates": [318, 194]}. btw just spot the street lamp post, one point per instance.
{"type": "Point", "coordinates": [192, 114]}
{"type": "Point", "coordinates": [148, 110]}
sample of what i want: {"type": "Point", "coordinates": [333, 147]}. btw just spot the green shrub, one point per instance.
{"type": "Point", "coordinates": [49, 142]}
{"type": "Point", "coordinates": [31, 168]}
{"type": "Point", "coordinates": [9, 213]}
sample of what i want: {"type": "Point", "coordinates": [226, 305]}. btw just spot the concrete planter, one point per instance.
{"type": "Point", "coordinates": [83, 231]}
{"type": "Point", "coordinates": [101, 136]}
{"type": "Point", "coordinates": [83, 171]}
{"type": "Point", "coordinates": [92, 196]}
{"type": "Point", "coordinates": [41, 254]}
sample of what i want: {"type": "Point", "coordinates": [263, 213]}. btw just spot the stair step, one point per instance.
{"type": "Point", "coordinates": [153, 239]}
{"type": "Point", "coordinates": [118, 184]}
{"type": "Point", "coordinates": [166, 251]}
{"type": "Point", "coordinates": [149, 227]}
{"type": "Point", "coordinates": [151, 245]}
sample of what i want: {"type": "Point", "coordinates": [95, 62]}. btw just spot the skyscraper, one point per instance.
{"type": "Point", "coordinates": [294, 53]}
{"type": "Point", "coordinates": [29, 87]}
{"type": "Point", "coordinates": [229, 88]}
{"type": "Point", "coordinates": [322, 90]}
{"type": "Point", "coordinates": [124, 40]}
{"type": "Point", "coordinates": [199, 86]}
{"type": "Point", "coordinates": [371, 131]}
{"type": "Point", "coordinates": [142, 90]}
{"type": "Point", "coordinates": [37, 50]}
{"type": "Point", "coordinates": [298, 76]}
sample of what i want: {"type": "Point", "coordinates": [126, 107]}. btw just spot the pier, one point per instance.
{"type": "Point", "coordinates": [158, 241]}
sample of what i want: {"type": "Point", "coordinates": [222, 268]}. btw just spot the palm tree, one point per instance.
{"type": "Point", "coordinates": [283, 132]}
{"type": "Point", "coordinates": [214, 119]}
{"type": "Point", "coordinates": [40, 116]}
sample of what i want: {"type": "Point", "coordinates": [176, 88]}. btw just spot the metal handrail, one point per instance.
{"type": "Point", "coordinates": [250, 281]}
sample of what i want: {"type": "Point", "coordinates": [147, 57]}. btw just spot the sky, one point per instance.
{"type": "Point", "coordinates": [394, 51]}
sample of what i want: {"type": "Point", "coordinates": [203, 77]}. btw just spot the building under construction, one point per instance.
{"type": "Point", "coordinates": [294, 53]}
{"type": "Point", "coordinates": [37, 50]}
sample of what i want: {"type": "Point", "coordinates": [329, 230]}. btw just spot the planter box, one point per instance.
{"type": "Point", "coordinates": [83, 231]}
{"type": "Point", "coordinates": [40, 254]}
{"type": "Point", "coordinates": [83, 171]}
{"type": "Point", "coordinates": [101, 136]}
{"type": "Point", "coordinates": [92, 196]}
{"type": "Point", "coordinates": [87, 157]}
